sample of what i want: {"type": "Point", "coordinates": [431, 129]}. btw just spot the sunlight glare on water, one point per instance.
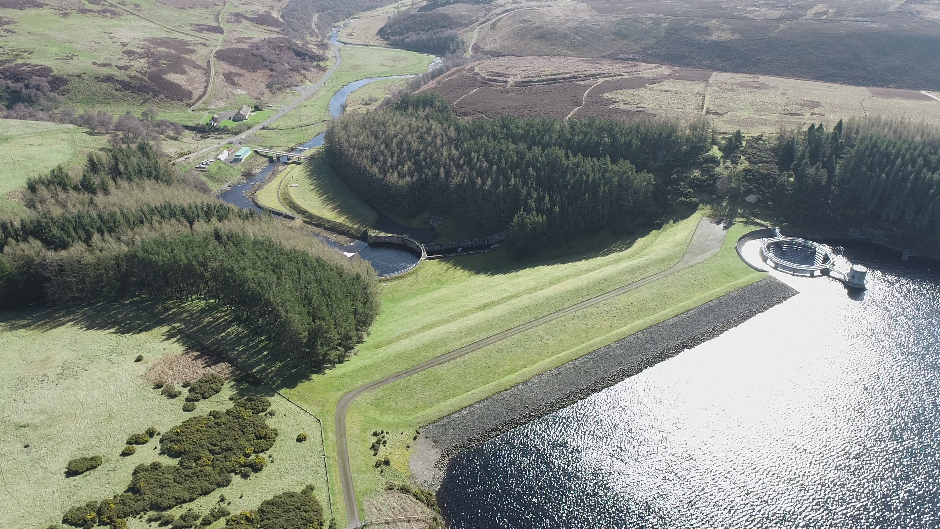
{"type": "Point", "coordinates": [821, 412]}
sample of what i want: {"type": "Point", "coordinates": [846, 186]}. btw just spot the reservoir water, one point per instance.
{"type": "Point", "coordinates": [822, 412]}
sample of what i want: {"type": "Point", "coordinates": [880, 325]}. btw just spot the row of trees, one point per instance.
{"type": "Point", "coordinates": [546, 179]}
{"type": "Point", "coordinates": [130, 226]}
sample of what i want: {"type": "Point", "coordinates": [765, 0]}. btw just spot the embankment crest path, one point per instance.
{"type": "Point", "coordinates": [705, 242]}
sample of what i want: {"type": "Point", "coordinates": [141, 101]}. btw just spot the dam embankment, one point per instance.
{"type": "Point", "coordinates": [575, 380]}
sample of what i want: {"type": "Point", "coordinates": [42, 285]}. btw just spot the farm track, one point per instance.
{"type": "Point", "coordinates": [218, 47]}
{"type": "Point", "coordinates": [305, 93]}
{"type": "Point", "coordinates": [705, 242]}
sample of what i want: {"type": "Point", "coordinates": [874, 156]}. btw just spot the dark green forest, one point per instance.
{"type": "Point", "coordinates": [546, 179]}
{"type": "Point", "coordinates": [131, 226]}
{"type": "Point", "coordinates": [552, 181]}
{"type": "Point", "coordinates": [871, 179]}
{"type": "Point", "coordinates": [428, 32]}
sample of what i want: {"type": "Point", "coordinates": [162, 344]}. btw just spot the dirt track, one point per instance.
{"type": "Point", "coordinates": [705, 242]}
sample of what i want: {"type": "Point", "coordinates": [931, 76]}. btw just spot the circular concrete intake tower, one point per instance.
{"type": "Point", "coordinates": [797, 256]}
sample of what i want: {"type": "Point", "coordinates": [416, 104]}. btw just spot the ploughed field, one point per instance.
{"type": "Point", "coordinates": [568, 87]}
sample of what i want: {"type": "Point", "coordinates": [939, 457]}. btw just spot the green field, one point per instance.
{"type": "Point", "coordinates": [319, 191]}
{"type": "Point", "coordinates": [31, 148]}
{"type": "Point", "coordinates": [71, 388]}
{"type": "Point", "coordinates": [310, 117]}
{"type": "Point", "coordinates": [444, 305]}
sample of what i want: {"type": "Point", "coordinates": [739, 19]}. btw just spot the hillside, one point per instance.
{"type": "Point", "coordinates": [124, 55]}
{"type": "Point", "coordinates": [878, 43]}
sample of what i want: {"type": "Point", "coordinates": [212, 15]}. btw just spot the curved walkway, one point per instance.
{"type": "Point", "coordinates": [705, 242]}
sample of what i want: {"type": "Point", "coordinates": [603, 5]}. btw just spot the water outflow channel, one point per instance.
{"type": "Point", "coordinates": [387, 261]}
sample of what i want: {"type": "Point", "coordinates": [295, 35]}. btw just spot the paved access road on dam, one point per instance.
{"type": "Point", "coordinates": [705, 242]}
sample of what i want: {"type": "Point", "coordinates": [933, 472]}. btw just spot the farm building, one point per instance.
{"type": "Point", "coordinates": [242, 113]}
{"type": "Point", "coordinates": [223, 155]}
{"type": "Point", "coordinates": [241, 155]}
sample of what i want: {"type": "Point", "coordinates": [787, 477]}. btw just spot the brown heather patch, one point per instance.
{"type": "Point", "coordinates": [262, 19]}
{"type": "Point", "coordinates": [207, 28]}
{"type": "Point", "coordinates": [21, 4]}
{"type": "Point", "coordinates": [187, 367]}
{"type": "Point", "coordinates": [189, 4]}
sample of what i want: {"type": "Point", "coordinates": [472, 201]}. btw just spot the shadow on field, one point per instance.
{"type": "Point", "coordinates": [608, 241]}
{"type": "Point", "coordinates": [197, 326]}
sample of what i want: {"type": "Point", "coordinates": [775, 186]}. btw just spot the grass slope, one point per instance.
{"type": "Point", "coordinates": [444, 305]}
{"type": "Point", "coordinates": [408, 404]}
{"type": "Point", "coordinates": [71, 388]}
{"type": "Point", "coordinates": [31, 148]}
{"type": "Point", "coordinates": [310, 118]}
{"type": "Point", "coordinates": [320, 192]}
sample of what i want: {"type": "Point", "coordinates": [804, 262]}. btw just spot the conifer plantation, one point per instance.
{"type": "Point", "coordinates": [551, 181]}
{"type": "Point", "coordinates": [546, 179]}
{"type": "Point", "coordinates": [865, 176]}
{"type": "Point", "coordinates": [131, 226]}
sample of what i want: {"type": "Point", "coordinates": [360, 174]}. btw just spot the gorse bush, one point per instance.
{"type": "Point", "coordinates": [80, 465]}
{"type": "Point", "coordinates": [209, 449]}
{"type": "Point", "coordinates": [138, 439]}
{"type": "Point", "coordinates": [290, 510]}
{"type": "Point", "coordinates": [207, 386]}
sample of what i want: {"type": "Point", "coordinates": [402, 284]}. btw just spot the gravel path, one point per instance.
{"type": "Point", "coordinates": [588, 374]}
{"type": "Point", "coordinates": [706, 241]}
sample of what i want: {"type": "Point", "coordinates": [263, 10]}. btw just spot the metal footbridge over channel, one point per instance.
{"type": "Point", "coordinates": [280, 155]}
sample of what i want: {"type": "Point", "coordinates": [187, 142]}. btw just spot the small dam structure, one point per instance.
{"type": "Point", "coordinates": [802, 257]}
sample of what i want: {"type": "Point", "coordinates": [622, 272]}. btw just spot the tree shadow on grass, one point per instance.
{"type": "Point", "coordinates": [601, 244]}
{"type": "Point", "coordinates": [200, 326]}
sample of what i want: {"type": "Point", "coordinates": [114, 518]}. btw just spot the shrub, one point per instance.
{"type": "Point", "coordinates": [210, 448]}
{"type": "Point", "coordinates": [82, 516]}
{"type": "Point", "coordinates": [189, 406]}
{"type": "Point", "coordinates": [138, 439]}
{"type": "Point", "coordinates": [205, 387]}
{"type": "Point", "coordinates": [80, 465]}
{"type": "Point", "coordinates": [187, 520]}
{"type": "Point", "coordinates": [301, 437]}
{"type": "Point", "coordinates": [170, 391]}
{"type": "Point", "coordinates": [167, 519]}
{"type": "Point", "coordinates": [140, 358]}
{"type": "Point", "coordinates": [152, 432]}
{"type": "Point", "coordinates": [158, 384]}
{"type": "Point", "coordinates": [128, 451]}
{"type": "Point", "coordinates": [290, 510]}
{"type": "Point", "coordinates": [216, 513]}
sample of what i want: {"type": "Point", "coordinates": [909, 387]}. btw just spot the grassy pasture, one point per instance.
{"type": "Point", "coordinates": [71, 388]}
{"type": "Point", "coordinates": [310, 117]}
{"type": "Point", "coordinates": [31, 148]}
{"type": "Point", "coordinates": [321, 192]}
{"type": "Point", "coordinates": [443, 305]}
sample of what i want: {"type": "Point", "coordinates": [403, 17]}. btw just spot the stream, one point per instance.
{"type": "Point", "coordinates": [387, 261]}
